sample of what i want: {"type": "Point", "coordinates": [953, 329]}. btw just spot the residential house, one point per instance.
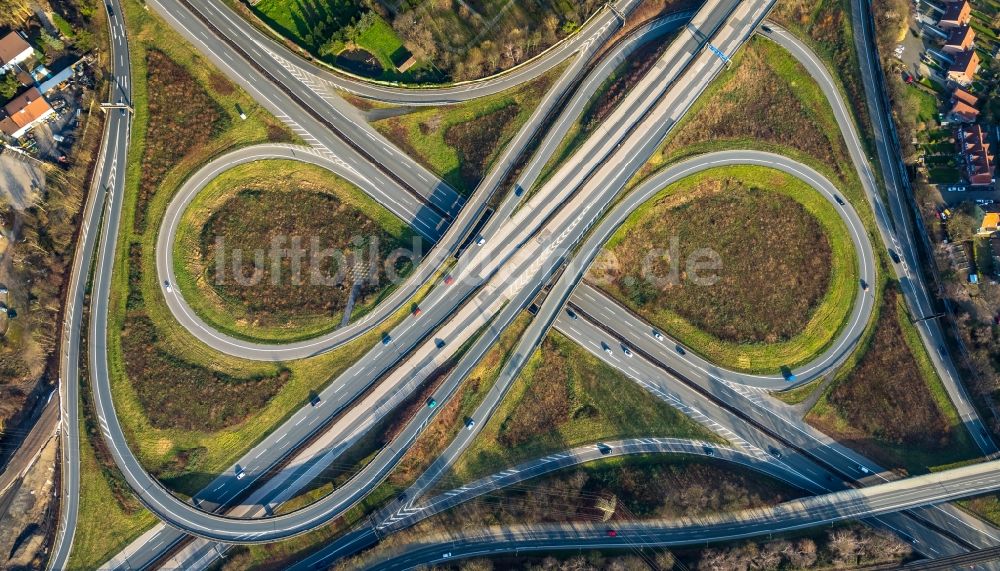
{"type": "Point", "coordinates": [977, 157]}
{"type": "Point", "coordinates": [990, 224]}
{"type": "Point", "coordinates": [956, 14]}
{"type": "Point", "coordinates": [963, 107]}
{"type": "Point", "coordinates": [964, 68]}
{"type": "Point", "coordinates": [24, 112]}
{"type": "Point", "coordinates": [959, 40]}
{"type": "Point", "coordinates": [13, 50]}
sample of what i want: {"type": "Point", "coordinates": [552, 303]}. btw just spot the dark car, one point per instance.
{"type": "Point", "coordinates": [386, 338]}
{"type": "Point", "coordinates": [604, 449]}
{"type": "Point", "coordinates": [571, 313]}
{"type": "Point", "coordinates": [839, 200]}
{"type": "Point", "coordinates": [894, 256]}
{"type": "Point", "coordinates": [774, 451]}
{"type": "Point", "coordinates": [612, 533]}
{"type": "Point", "coordinates": [766, 29]}
{"type": "Point", "coordinates": [439, 343]}
{"type": "Point", "coordinates": [680, 350]}
{"type": "Point", "coordinates": [710, 451]}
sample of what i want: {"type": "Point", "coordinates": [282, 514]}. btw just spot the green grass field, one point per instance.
{"type": "Point", "coordinates": [823, 320]}
{"type": "Point", "coordinates": [566, 397]}
{"type": "Point", "coordinates": [460, 142]}
{"type": "Point", "coordinates": [293, 312]}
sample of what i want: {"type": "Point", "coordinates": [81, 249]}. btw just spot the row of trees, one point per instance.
{"type": "Point", "coordinates": [474, 44]}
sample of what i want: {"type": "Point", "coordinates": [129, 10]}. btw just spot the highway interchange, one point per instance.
{"type": "Point", "coordinates": [551, 235]}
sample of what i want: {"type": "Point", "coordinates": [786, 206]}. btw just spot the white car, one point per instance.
{"type": "Point", "coordinates": [657, 335]}
{"type": "Point", "coordinates": [241, 473]}
{"type": "Point", "coordinates": [626, 350]}
{"type": "Point", "coordinates": [481, 241]}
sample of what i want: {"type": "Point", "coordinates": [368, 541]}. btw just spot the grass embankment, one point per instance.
{"type": "Point", "coordinates": [986, 507]}
{"type": "Point", "coordinates": [566, 397]}
{"type": "Point", "coordinates": [825, 26]}
{"type": "Point", "coordinates": [888, 402]}
{"type": "Point", "coordinates": [785, 283]}
{"type": "Point", "coordinates": [218, 405]}
{"type": "Point", "coordinates": [428, 446]}
{"type": "Point", "coordinates": [460, 142]}
{"type": "Point", "coordinates": [110, 515]}
{"type": "Point", "coordinates": [249, 206]}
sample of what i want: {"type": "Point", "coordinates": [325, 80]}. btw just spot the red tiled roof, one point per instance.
{"type": "Point", "coordinates": [964, 96]}
{"type": "Point", "coordinates": [26, 108]}
{"type": "Point", "coordinates": [11, 46]}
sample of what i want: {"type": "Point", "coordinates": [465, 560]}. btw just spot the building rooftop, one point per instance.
{"type": "Point", "coordinates": [964, 111]}
{"type": "Point", "coordinates": [960, 37]}
{"type": "Point", "coordinates": [954, 11]}
{"type": "Point", "coordinates": [26, 108]}
{"type": "Point", "coordinates": [11, 46]}
{"type": "Point", "coordinates": [965, 63]}
{"type": "Point", "coordinates": [964, 96]}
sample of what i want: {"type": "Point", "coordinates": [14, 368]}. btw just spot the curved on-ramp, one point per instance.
{"type": "Point", "coordinates": [208, 334]}
{"type": "Point", "coordinates": [840, 347]}
{"type": "Point", "coordinates": [424, 271]}
{"type": "Point", "coordinates": [789, 516]}
{"type": "Point", "coordinates": [189, 518]}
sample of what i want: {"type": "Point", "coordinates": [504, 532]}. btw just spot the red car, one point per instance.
{"type": "Point", "coordinates": [612, 533]}
{"type": "Point", "coordinates": [417, 311]}
{"type": "Point", "coordinates": [448, 280]}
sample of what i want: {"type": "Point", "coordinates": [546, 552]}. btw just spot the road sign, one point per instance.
{"type": "Point", "coordinates": [719, 53]}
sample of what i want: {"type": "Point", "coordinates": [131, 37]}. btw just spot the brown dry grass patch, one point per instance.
{"type": "Point", "coordinates": [775, 261]}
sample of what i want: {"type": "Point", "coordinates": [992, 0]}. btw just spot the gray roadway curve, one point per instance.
{"type": "Point", "coordinates": [224, 18]}
{"type": "Point", "coordinates": [902, 204]}
{"type": "Point", "coordinates": [907, 271]}
{"type": "Point", "coordinates": [789, 516]}
{"type": "Point", "coordinates": [184, 516]}
{"type": "Point", "coordinates": [841, 345]}
{"type": "Point", "coordinates": [199, 522]}
{"type": "Point", "coordinates": [228, 486]}
{"type": "Point", "coordinates": [354, 541]}
{"type": "Point", "coordinates": [427, 219]}
{"type": "Point", "coordinates": [154, 496]}
{"type": "Point", "coordinates": [219, 341]}
{"type": "Point", "coordinates": [107, 185]}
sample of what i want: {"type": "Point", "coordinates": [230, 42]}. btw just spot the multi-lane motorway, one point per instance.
{"type": "Point", "coordinates": [523, 250]}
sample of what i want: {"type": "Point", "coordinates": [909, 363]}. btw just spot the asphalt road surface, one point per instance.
{"type": "Point", "coordinates": [614, 152]}
{"type": "Point", "coordinates": [789, 516]}
{"type": "Point", "coordinates": [108, 187]}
